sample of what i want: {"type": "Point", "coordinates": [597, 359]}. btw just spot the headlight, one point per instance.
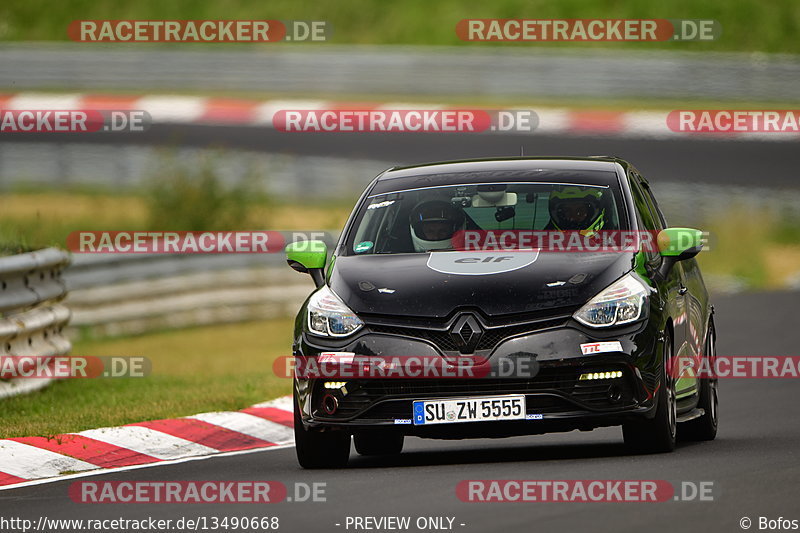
{"type": "Point", "coordinates": [622, 302]}
{"type": "Point", "coordinates": [329, 316]}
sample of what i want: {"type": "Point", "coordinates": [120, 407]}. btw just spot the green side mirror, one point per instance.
{"type": "Point", "coordinates": [681, 243]}
{"type": "Point", "coordinates": [308, 257]}
{"type": "Point", "coordinates": [678, 244]}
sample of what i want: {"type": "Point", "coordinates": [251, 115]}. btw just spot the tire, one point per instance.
{"type": "Point", "coordinates": [705, 427]}
{"type": "Point", "coordinates": [319, 449]}
{"type": "Point", "coordinates": [656, 435]}
{"type": "Point", "coordinates": [378, 443]}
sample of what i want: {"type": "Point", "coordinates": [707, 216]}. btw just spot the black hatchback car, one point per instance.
{"type": "Point", "coordinates": [494, 266]}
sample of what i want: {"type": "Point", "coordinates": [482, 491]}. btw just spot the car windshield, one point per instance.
{"type": "Point", "coordinates": [426, 219]}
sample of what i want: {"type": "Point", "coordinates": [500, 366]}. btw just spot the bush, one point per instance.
{"type": "Point", "coordinates": [196, 199]}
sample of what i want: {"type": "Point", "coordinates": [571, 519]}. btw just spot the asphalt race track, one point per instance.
{"type": "Point", "coordinates": [753, 464]}
{"type": "Point", "coordinates": [692, 160]}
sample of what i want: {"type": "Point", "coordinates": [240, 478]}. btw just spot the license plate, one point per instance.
{"type": "Point", "coordinates": [469, 410]}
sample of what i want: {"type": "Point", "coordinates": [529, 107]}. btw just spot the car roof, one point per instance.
{"type": "Point", "coordinates": [595, 170]}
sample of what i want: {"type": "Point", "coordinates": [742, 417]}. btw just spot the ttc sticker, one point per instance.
{"type": "Point", "coordinates": [600, 347]}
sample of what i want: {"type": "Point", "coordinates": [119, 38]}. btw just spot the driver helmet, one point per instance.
{"type": "Point", "coordinates": [433, 224]}
{"type": "Point", "coordinates": [577, 208]}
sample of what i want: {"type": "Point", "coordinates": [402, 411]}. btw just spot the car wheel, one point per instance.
{"type": "Point", "coordinates": [705, 427]}
{"type": "Point", "coordinates": [657, 435]}
{"type": "Point", "coordinates": [377, 443]}
{"type": "Point", "coordinates": [319, 449]}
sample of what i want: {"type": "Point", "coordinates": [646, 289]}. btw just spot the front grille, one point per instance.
{"type": "Point", "coordinates": [443, 340]}
{"type": "Point", "coordinates": [374, 399]}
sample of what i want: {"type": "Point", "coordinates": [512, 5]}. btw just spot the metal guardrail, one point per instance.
{"type": "Point", "coordinates": [123, 294]}
{"type": "Point", "coordinates": [107, 295]}
{"type": "Point", "coordinates": [475, 71]}
{"type": "Point", "coordinates": [29, 279]}
{"type": "Point", "coordinates": [106, 270]}
{"type": "Point", "coordinates": [191, 299]}
{"type": "Point", "coordinates": [31, 321]}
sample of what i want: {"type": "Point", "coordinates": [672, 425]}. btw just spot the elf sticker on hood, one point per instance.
{"type": "Point", "coordinates": [480, 263]}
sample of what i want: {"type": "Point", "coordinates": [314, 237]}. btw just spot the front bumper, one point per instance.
{"type": "Point", "coordinates": [556, 398]}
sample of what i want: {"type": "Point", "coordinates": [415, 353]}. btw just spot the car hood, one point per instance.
{"type": "Point", "coordinates": [434, 285]}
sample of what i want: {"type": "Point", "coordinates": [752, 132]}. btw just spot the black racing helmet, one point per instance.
{"type": "Point", "coordinates": [577, 208]}
{"type": "Point", "coordinates": [433, 224]}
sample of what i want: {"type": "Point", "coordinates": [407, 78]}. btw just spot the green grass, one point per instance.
{"type": "Point", "coordinates": [194, 370]}
{"type": "Point", "coordinates": [14, 246]}
{"type": "Point", "coordinates": [763, 253]}
{"type": "Point", "coordinates": [46, 218]}
{"type": "Point", "coordinates": [747, 25]}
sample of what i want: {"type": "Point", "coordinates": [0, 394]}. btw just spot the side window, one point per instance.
{"type": "Point", "coordinates": [642, 208]}
{"type": "Point", "coordinates": [644, 213]}
{"type": "Point", "coordinates": [651, 200]}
